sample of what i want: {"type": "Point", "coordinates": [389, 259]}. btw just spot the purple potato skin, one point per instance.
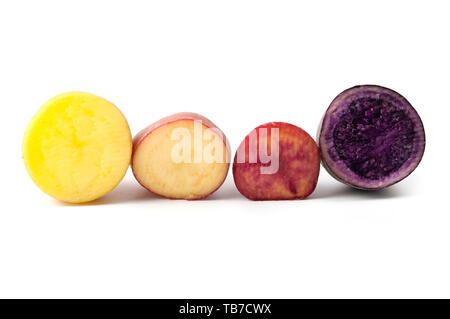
{"type": "Point", "coordinates": [371, 137]}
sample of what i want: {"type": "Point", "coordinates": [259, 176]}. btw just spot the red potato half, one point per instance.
{"type": "Point", "coordinates": [182, 156]}
{"type": "Point", "coordinates": [277, 161]}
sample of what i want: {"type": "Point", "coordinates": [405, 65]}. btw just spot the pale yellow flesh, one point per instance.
{"type": "Point", "coordinates": [77, 147]}
{"type": "Point", "coordinates": [155, 169]}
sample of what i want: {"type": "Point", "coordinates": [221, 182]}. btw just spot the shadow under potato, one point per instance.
{"type": "Point", "coordinates": [125, 192]}
{"type": "Point", "coordinates": [226, 192]}
{"type": "Point", "coordinates": [338, 190]}
{"type": "Point", "coordinates": [130, 191]}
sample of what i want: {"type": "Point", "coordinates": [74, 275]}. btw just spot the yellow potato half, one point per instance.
{"type": "Point", "coordinates": [77, 147]}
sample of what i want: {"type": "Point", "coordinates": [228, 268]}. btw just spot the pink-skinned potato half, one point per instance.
{"type": "Point", "coordinates": [277, 161]}
{"type": "Point", "coordinates": [182, 156]}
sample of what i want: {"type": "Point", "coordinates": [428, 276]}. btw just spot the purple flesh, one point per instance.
{"type": "Point", "coordinates": [371, 137]}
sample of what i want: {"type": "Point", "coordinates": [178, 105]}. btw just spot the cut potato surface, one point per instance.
{"type": "Point", "coordinates": [295, 162]}
{"type": "Point", "coordinates": [77, 147]}
{"type": "Point", "coordinates": [371, 137]}
{"type": "Point", "coordinates": [170, 159]}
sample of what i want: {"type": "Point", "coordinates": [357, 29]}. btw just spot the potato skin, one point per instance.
{"type": "Point", "coordinates": [139, 137]}
{"type": "Point", "coordinates": [299, 165]}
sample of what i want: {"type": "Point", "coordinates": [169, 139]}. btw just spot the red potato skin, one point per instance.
{"type": "Point", "coordinates": [144, 133]}
{"type": "Point", "coordinates": [299, 166]}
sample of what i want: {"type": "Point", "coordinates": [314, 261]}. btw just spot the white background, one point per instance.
{"type": "Point", "coordinates": [241, 64]}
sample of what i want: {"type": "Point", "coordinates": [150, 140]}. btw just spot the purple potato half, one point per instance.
{"type": "Point", "coordinates": [371, 137]}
